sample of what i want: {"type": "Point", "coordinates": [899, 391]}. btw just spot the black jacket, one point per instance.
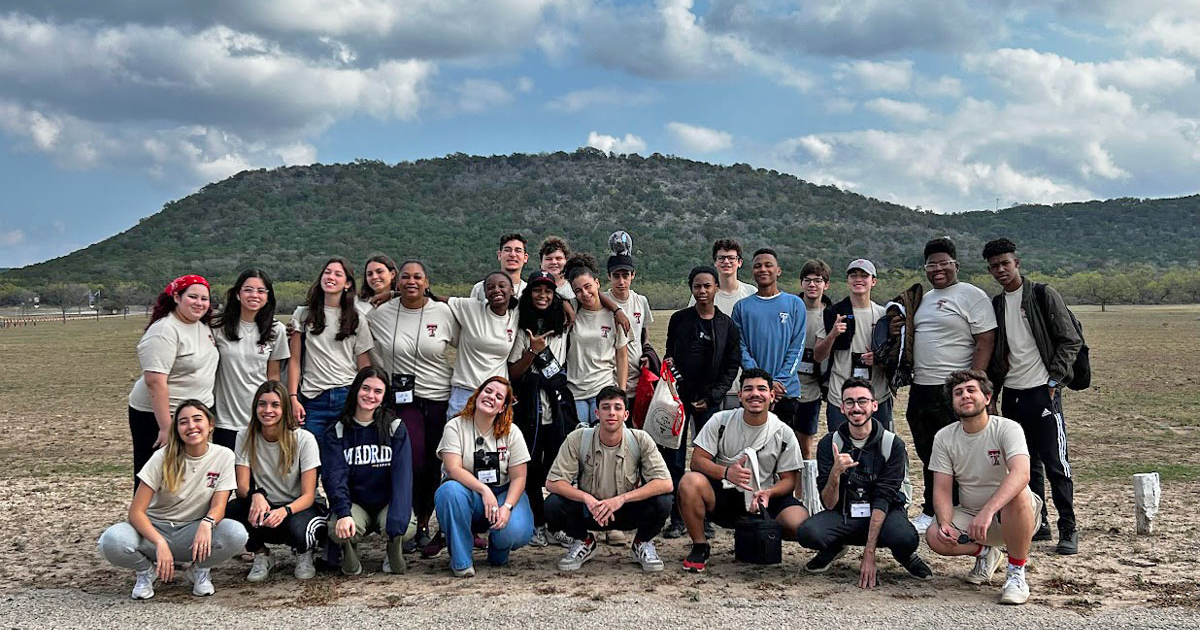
{"type": "Point", "coordinates": [1053, 332]}
{"type": "Point", "coordinates": [882, 478]}
{"type": "Point", "coordinates": [708, 376]}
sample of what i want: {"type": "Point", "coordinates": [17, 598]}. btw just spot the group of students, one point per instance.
{"type": "Point", "coordinates": [538, 395]}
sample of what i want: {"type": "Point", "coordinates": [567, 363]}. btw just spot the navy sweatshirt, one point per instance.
{"type": "Point", "coordinates": [357, 469]}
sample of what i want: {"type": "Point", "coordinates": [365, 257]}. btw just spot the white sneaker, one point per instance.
{"type": "Point", "coordinates": [646, 555]}
{"type": "Point", "coordinates": [202, 585]}
{"type": "Point", "coordinates": [539, 537]}
{"type": "Point", "coordinates": [580, 552]}
{"type": "Point", "coordinates": [1016, 589]}
{"type": "Point", "coordinates": [985, 566]}
{"type": "Point", "coordinates": [261, 569]}
{"type": "Point", "coordinates": [465, 573]}
{"type": "Point", "coordinates": [304, 566]}
{"type": "Point", "coordinates": [559, 538]}
{"type": "Point", "coordinates": [922, 522]}
{"type": "Point", "coordinates": [143, 588]}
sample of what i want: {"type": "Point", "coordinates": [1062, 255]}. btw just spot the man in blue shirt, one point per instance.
{"type": "Point", "coordinates": [772, 338]}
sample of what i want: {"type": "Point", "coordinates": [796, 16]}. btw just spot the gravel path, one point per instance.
{"type": "Point", "coordinates": [75, 609]}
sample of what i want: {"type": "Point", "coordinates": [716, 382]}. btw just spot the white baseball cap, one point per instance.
{"type": "Point", "coordinates": [864, 264]}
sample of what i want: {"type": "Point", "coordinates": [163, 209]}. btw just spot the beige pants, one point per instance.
{"type": "Point", "coordinates": [366, 521]}
{"type": "Point", "coordinates": [995, 537]}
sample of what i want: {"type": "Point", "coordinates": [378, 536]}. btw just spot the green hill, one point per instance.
{"type": "Point", "coordinates": [450, 211]}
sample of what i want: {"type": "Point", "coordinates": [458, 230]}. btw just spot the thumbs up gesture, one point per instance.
{"type": "Point", "coordinates": [739, 475]}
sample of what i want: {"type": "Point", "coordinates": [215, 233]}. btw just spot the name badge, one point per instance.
{"type": "Point", "coordinates": [547, 363]}
{"type": "Point", "coordinates": [402, 386]}
{"type": "Point", "coordinates": [860, 509]}
{"type": "Point", "coordinates": [807, 363]}
{"type": "Point", "coordinates": [487, 466]}
{"type": "Point", "coordinates": [858, 369]}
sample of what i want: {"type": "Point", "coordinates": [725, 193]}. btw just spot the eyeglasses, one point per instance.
{"type": "Point", "coordinates": [728, 258]}
{"type": "Point", "coordinates": [857, 402]}
{"type": "Point", "coordinates": [513, 250]}
{"type": "Point", "coordinates": [812, 280]}
{"type": "Point", "coordinates": [942, 264]}
{"type": "Point", "coordinates": [253, 291]}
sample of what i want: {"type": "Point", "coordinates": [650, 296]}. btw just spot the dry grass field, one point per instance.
{"type": "Point", "coordinates": [65, 446]}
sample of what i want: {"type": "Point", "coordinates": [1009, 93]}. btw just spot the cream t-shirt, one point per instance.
{"type": "Point", "coordinates": [945, 324]}
{"type": "Point", "coordinates": [330, 363]}
{"type": "Point", "coordinates": [773, 442]}
{"type": "Point", "coordinates": [460, 437]}
{"type": "Point", "coordinates": [1025, 367]}
{"type": "Point", "coordinates": [203, 476]}
{"type": "Point", "coordinates": [637, 311]}
{"type": "Point", "coordinates": [607, 470]}
{"type": "Point", "coordinates": [478, 294]}
{"type": "Point", "coordinates": [416, 341]}
{"type": "Point", "coordinates": [592, 354]}
{"type": "Point", "coordinates": [186, 353]}
{"type": "Point", "coordinates": [810, 385]}
{"type": "Point", "coordinates": [841, 361]}
{"type": "Point", "coordinates": [283, 488]}
{"type": "Point", "coordinates": [979, 461]}
{"type": "Point", "coordinates": [485, 340]}
{"type": "Point", "coordinates": [243, 368]}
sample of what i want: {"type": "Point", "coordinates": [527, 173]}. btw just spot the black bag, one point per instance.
{"type": "Point", "coordinates": [1081, 370]}
{"type": "Point", "coordinates": [758, 539]}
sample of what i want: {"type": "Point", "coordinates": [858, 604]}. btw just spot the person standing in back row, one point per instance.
{"type": "Point", "coordinates": [727, 259]}
{"type": "Point", "coordinates": [513, 254]}
{"type": "Point", "coordinates": [814, 281]}
{"type": "Point", "coordinates": [772, 325]}
{"type": "Point", "coordinates": [637, 309]}
{"type": "Point", "coordinates": [1036, 345]}
{"type": "Point", "coordinates": [955, 329]}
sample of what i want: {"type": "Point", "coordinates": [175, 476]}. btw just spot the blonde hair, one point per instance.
{"type": "Point", "coordinates": [287, 437]}
{"type": "Point", "coordinates": [174, 456]}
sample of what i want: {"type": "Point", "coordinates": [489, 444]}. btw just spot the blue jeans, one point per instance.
{"type": "Point", "coordinates": [586, 410]}
{"type": "Point", "coordinates": [835, 419]}
{"type": "Point", "coordinates": [323, 410]}
{"type": "Point", "coordinates": [460, 512]}
{"type": "Point", "coordinates": [458, 400]}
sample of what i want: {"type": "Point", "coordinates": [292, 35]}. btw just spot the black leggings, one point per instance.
{"type": "Point", "coordinates": [143, 427]}
{"type": "Point", "coordinates": [543, 442]}
{"type": "Point", "coordinates": [300, 531]}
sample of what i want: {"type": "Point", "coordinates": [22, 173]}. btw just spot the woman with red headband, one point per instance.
{"type": "Point", "coordinates": [179, 361]}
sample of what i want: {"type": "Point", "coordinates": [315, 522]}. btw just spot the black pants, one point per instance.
{"type": "Point", "coordinates": [300, 531]}
{"type": "Point", "coordinates": [676, 458]}
{"type": "Point", "coordinates": [543, 442]}
{"type": "Point", "coordinates": [225, 437]}
{"type": "Point", "coordinates": [143, 428]}
{"type": "Point", "coordinates": [572, 517]}
{"type": "Point", "coordinates": [829, 530]}
{"type": "Point", "coordinates": [1046, 434]}
{"type": "Point", "coordinates": [928, 411]}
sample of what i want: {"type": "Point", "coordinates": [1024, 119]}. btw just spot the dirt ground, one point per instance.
{"type": "Point", "coordinates": [65, 444]}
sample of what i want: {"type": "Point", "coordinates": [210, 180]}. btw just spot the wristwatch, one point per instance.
{"type": "Point", "coordinates": [288, 509]}
{"type": "Point", "coordinates": [508, 506]}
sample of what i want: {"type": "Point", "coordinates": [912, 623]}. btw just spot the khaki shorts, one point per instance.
{"type": "Point", "coordinates": [995, 537]}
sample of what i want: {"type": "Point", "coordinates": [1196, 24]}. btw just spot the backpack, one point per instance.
{"type": "Point", "coordinates": [588, 436]}
{"type": "Point", "coordinates": [885, 444]}
{"type": "Point", "coordinates": [1081, 369]}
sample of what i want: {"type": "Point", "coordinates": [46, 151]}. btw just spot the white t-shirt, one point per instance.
{"type": "Point", "coordinates": [637, 310]}
{"type": "Point", "coordinates": [417, 342]}
{"type": "Point", "coordinates": [243, 368]}
{"type": "Point", "coordinates": [186, 353]}
{"type": "Point", "coordinates": [485, 340]}
{"type": "Point", "coordinates": [460, 438]}
{"type": "Point", "coordinates": [773, 442]}
{"type": "Point", "coordinates": [592, 355]}
{"type": "Point", "coordinates": [557, 344]}
{"type": "Point", "coordinates": [478, 294]}
{"type": "Point", "coordinates": [810, 385]}
{"type": "Point", "coordinates": [565, 291]}
{"type": "Point", "coordinates": [203, 476]}
{"type": "Point", "coordinates": [362, 306]}
{"type": "Point", "coordinates": [725, 302]}
{"type": "Point", "coordinates": [280, 488]}
{"type": "Point", "coordinates": [841, 361]}
{"type": "Point", "coordinates": [329, 363]}
{"type": "Point", "coordinates": [945, 324]}
{"type": "Point", "coordinates": [978, 462]}
{"type": "Point", "coordinates": [1025, 367]}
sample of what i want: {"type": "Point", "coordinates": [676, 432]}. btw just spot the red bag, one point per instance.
{"type": "Point", "coordinates": [641, 400]}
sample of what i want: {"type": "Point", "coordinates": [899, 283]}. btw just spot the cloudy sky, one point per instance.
{"type": "Point", "coordinates": [109, 109]}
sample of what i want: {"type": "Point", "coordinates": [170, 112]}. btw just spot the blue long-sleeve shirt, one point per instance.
{"type": "Point", "coordinates": [772, 336]}
{"type": "Point", "coordinates": [356, 468]}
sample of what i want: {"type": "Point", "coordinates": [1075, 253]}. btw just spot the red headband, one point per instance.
{"type": "Point", "coordinates": [180, 284]}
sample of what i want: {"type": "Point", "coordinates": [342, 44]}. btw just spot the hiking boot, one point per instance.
{"type": "Point", "coordinates": [985, 566]}
{"type": "Point", "coordinates": [580, 552]}
{"type": "Point", "coordinates": [917, 568]}
{"type": "Point", "coordinates": [143, 588]}
{"type": "Point", "coordinates": [436, 546]}
{"type": "Point", "coordinates": [1042, 533]}
{"type": "Point", "coordinates": [305, 569]}
{"type": "Point", "coordinates": [1016, 589]}
{"type": "Point", "coordinates": [261, 569]}
{"type": "Point", "coordinates": [539, 537]}
{"type": "Point", "coordinates": [821, 562]}
{"type": "Point", "coordinates": [202, 585]}
{"type": "Point", "coordinates": [922, 522]}
{"type": "Point", "coordinates": [674, 530]}
{"type": "Point", "coordinates": [697, 558]}
{"type": "Point", "coordinates": [646, 555]}
{"type": "Point", "coordinates": [1068, 544]}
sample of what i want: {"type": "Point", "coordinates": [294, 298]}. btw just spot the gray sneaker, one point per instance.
{"type": "Point", "coordinates": [539, 537]}
{"type": "Point", "coordinates": [646, 555]}
{"type": "Point", "coordinates": [143, 588]}
{"type": "Point", "coordinates": [202, 585]}
{"type": "Point", "coordinates": [580, 552]}
{"type": "Point", "coordinates": [559, 538]}
{"type": "Point", "coordinates": [261, 569]}
{"type": "Point", "coordinates": [985, 566]}
{"type": "Point", "coordinates": [305, 570]}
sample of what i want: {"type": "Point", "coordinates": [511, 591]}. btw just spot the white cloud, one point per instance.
{"type": "Point", "coordinates": [524, 85]}
{"type": "Point", "coordinates": [885, 76]}
{"type": "Point", "coordinates": [478, 95]}
{"type": "Point", "coordinates": [818, 149]}
{"type": "Point", "coordinates": [612, 144]}
{"type": "Point", "coordinates": [12, 238]}
{"type": "Point", "coordinates": [900, 111]}
{"type": "Point", "coordinates": [605, 96]}
{"type": "Point", "coordinates": [1172, 32]}
{"type": "Point", "coordinates": [698, 139]}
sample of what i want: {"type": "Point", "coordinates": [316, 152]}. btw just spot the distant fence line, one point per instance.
{"type": "Point", "coordinates": [20, 321]}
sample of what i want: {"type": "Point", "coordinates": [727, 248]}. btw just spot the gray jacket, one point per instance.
{"type": "Point", "coordinates": [1053, 332]}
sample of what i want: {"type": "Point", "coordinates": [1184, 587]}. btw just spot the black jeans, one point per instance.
{"type": "Point", "coordinates": [300, 531]}
{"type": "Point", "coordinates": [928, 411]}
{"type": "Point", "coordinates": [1046, 434]}
{"type": "Point", "coordinates": [143, 428]}
{"type": "Point", "coordinates": [225, 437]}
{"type": "Point", "coordinates": [543, 442]}
{"type": "Point", "coordinates": [572, 517]}
{"type": "Point", "coordinates": [829, 530]}
{"type": "Point", "coordinates": [676, 458]}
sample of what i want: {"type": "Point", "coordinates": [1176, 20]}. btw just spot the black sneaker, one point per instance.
{"type": "Point", "coordinates": [1068, 543]}
{"type": "Point", "coordinates": [821, 562]}
{"type": "Point", "coordinates": [917, 568]}
{"type": "Point", "coordinates": [422, 539]}
{"type": "Point", "coordinates": [436, 546]}
{"type": "Point", "coordinates": [697, 558]}
{"type": "Point", "coordinates": [674, 530]}
{"type": "Point", "coordinates": [1042, 533]}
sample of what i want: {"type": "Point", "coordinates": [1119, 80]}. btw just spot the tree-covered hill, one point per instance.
{"type": "Point", "coordinates": [450, 211]}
